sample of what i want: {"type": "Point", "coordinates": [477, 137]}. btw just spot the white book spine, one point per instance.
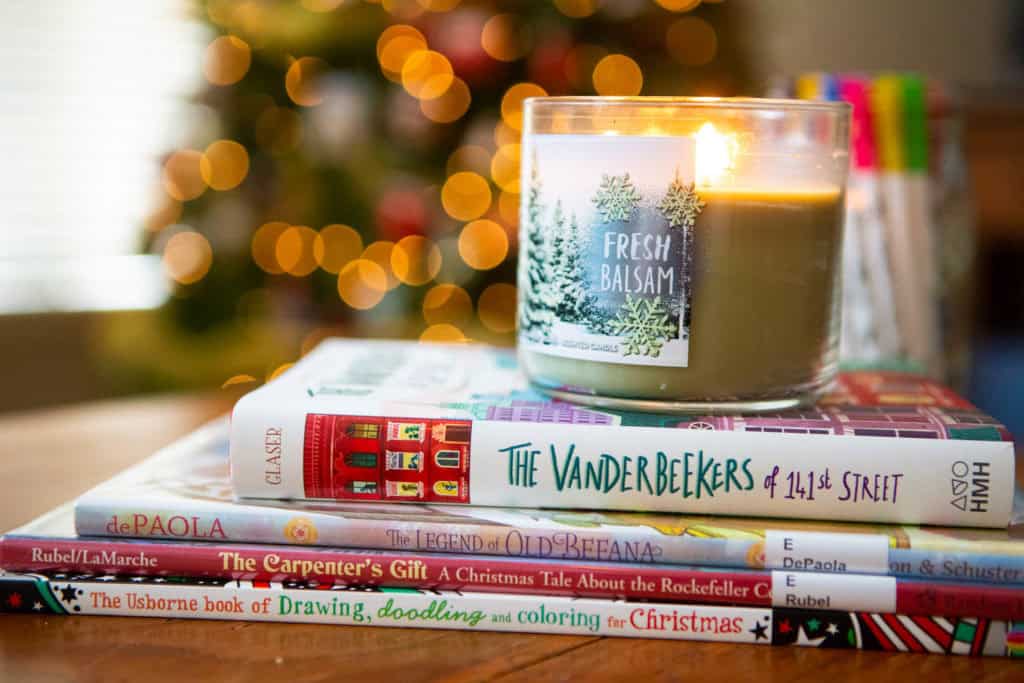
{"type": "Point", "coordinates": [526, 464]}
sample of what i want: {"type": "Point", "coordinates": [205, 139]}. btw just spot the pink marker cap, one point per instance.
{"type": "Point", "coordinates": [854, 89]}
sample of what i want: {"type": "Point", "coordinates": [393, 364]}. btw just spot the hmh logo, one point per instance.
{"type": "Point", "coordinates": [970, 485]}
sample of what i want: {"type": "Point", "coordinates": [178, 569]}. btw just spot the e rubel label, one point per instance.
{"type": "Point", "coordinates": [834, 592]}
{"type": "Point", "coordinates": [815, 551]}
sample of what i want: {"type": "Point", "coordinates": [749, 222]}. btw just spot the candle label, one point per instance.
{"type": "Point", "coordinates": [607, 247]}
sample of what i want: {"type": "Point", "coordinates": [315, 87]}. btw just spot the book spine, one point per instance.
{"type": "Point", "coordinates": [804, 590]}
{"type": "Point", "coordinates": [416, 570]}
{"type": "Point", "coordinates": [526, 464]}
{"type": "Point", "coordinates": [251, 601]}
{"type": "Point", "coordinates": [790, 550]}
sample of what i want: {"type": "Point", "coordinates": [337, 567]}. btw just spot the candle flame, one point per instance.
{"type": "Point", "coordinates": [715, 152]}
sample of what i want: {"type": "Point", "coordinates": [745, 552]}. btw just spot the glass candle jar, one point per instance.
{"type": "Point", "coordinates": [681, 254]}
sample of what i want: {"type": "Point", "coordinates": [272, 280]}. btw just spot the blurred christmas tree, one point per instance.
{"type": "Point", "coordinates": [359, 172]}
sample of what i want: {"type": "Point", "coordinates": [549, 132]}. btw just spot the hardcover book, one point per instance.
{"type": "Point", "coordinates": [406, 422]}
{"type": "Point", "coordinates": [184, 493]}
{"type": "Point", "coordinates": [49, 544]}
{"type": "Point", "coordinates": [339, 603]}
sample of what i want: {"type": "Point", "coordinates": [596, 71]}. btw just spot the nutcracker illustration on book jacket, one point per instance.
{"type": "Point", "coordinates": [401, 422]}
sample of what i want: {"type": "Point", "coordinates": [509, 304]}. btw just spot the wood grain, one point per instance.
{"type": "Point", "coordinates": [49, 456]}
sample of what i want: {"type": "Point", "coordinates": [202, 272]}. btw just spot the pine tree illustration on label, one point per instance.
{"type": "Point", "coordinates": [607, 248]}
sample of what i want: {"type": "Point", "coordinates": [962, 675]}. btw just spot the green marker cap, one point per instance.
{"type": "Point", "coordinates": [915, 123]}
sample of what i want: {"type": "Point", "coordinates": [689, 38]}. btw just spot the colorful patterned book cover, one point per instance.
{"type": "Point", "coordinates": [49, 544]}
{"type": "Point", "coordinates": [399, 422]}
{"type": "Point", "coordinates": [184, 493]}
{"type": "Point", "coordinates": [354, 605]}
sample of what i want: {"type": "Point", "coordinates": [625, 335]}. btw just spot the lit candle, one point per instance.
{"type": "Point", "coordinates": [693, 268]}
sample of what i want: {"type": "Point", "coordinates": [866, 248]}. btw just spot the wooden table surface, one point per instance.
{"type": "Point", "coordinates": [49, 456]}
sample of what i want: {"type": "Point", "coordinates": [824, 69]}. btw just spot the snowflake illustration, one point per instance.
{"type": "Point", "coordinates": [645, 326]}
{"type": "Point", "coordinates": [681, 205]}
{"type": "Point", "coordinates": [616, 198]}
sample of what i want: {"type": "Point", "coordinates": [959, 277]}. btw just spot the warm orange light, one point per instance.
{"type": "Point", "coordinates": [618, 75]}
{"type": "Point", "coordinates": [187, 257]}
{"type": "Point", "coordinates": [427, 74]}
{"type": "Point", "coordinates": [362, 284]}
{"type": "Point", "coordinates": [512, 102]}
{"type": "Point", "coordinates": [451, 105]}
{"type": "Point", "coordinates": [303, 81]}
{"type": "Point", "coordinates": [483, 244]}
{"type": "Point", "coordinates": [466, 196]}
{"type": "Point", "coordinates": [415, 260]}
{"type": "Point", "coordinates": [294, 250]}
{"type": "Point", "coordinates": [443, 333]}
{"type": "Point", "coordinates": [227, 60]}
{"type": "Point", "coordinates": [715, 153]}
{"type": "Point", "coordinates": [505, 167]}
{"type": "Point", "coordinates": [497, 307]}
{"type": "Point", "coordinates": [447, 303]}
{"type": "Point", "coordinates": [224, 164]}
{"type": "Point", "coordinates": [335, 246]}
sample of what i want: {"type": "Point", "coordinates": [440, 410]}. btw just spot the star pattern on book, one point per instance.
{"type": "Point", "coordinates": [802, 639]}
{"type": "Point", "coordinates": [760, 631]}
{"type": "Point", "coordinates": [784, 626]}
{"type": "Point", "coordinates": [813, 624]}
{"type": "Point", "coordinates": [105, 578]}
{"type": "Point", "coordinates": [14, 600]}
{"type": "Point", "coordinates": [37, 606]}
{"type": "Point", "coordinates": [832, 629]}
{"type": "Point", "coordinates": [67, 593]}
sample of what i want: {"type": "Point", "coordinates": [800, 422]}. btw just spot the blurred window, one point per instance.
{"type": "Point", "coordinates": [94, 91]}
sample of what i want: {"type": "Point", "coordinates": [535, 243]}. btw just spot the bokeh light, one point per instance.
{"type": "Point", "coordinates": [380, 253]}
{"type": "Point", "coordinates": [227, 60]}
{"type": "Point", "coordinates": [512, 102]}
{"type": "Point", "coordinates": [508, 208]}
{"type": "Point", "coordinates": [691, 41]}
{"type": "Point", "coordinates": [224, 165]}
{"type": "Point", "coordinates": [415, 260]}
{"type": "Point", "coordinates": [465, 196]}
{"type": "Point", "coordinates": [362, 283]}
{"type": "Point", "coordinates": [187, 257]}
{"type": "Point", "coordinates": [483, 244]}
{"type": "Point", "coordinates": [182, 178]}
{"type": "Point", "coordinates": [427, 74]}
{"type": "Point", "coordinates": [395, 45]}
{"type": "Point", "coordinates": [577, 9]}
{"type": "Point", "coordinates": [166, 211]}
{"type": "Point", "coordinates": [443, 333]}
{"type": "Point", "coordinates": [264, 246]}
{"type": "Point", "coordinates": [502, 38]}
{"type": "Point", "coordinates": [678, 5]}
{"type": "Point", "coordinates": [439, 5]}
{"type": "Point", "coordinates": [618, 75]}
{"type": "Point", "coordinates": [294, 250]}
{"type": "Point", "coordinates": [450, 106]}
{"type": "Point", "coordinates": [403, 9]}
{"type": "Point", "coordinates": [580, 63]}
{"type": "Point", "coordinates": [335, 246]}
{"type": "Point", "coordinates": [497, 308]}
{"type": "Point", "coordinates": [505, 167]}
{"type": "Point", "coordinates": [505, 134]}
{"type": "Point", "coordinates": [237, 379]}
{"type": "Point", "coordinates": [303, 81]}
{"type": "Point", "coordinates": [473, 158]}
{"type": "Point", "coordinates": [276, 372]}
{"type": "Point", "coordinates": [447, 303]}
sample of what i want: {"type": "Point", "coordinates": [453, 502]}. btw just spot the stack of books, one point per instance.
{"type": "Point", "coordinates": [396, 484]}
